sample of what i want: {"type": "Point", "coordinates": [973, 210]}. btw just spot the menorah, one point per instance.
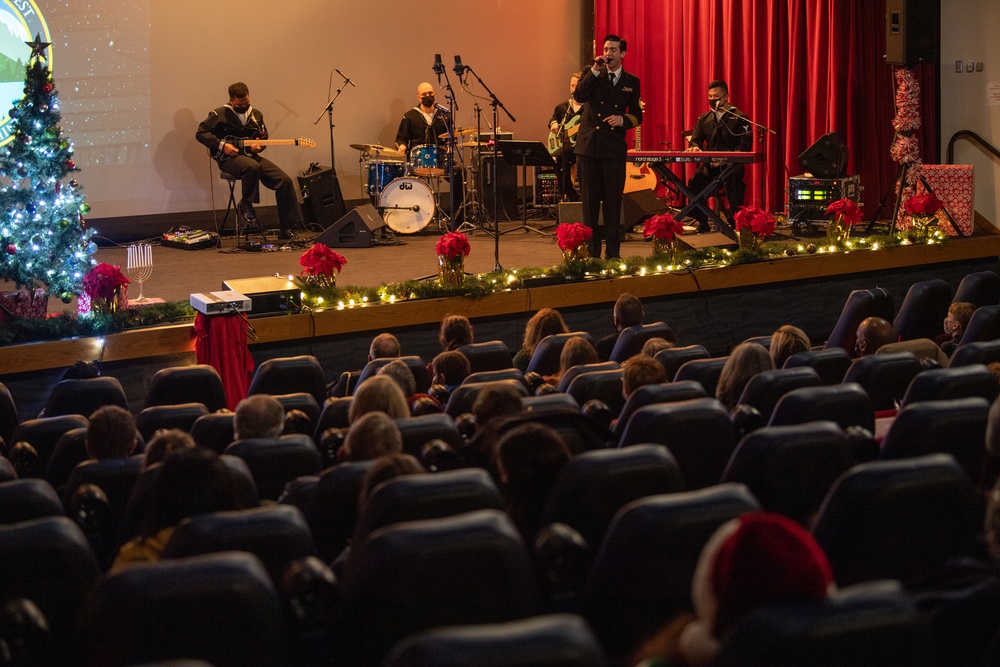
{"type": "Point", "coordinates": [140, 264]}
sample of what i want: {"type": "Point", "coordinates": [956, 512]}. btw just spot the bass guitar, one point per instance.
{"type": "Point", "coordinates": [246, 144]}
{"type": "Point", "coordinates": [639, 176]}
{"type": "Point", "coordinates": [566, 133]}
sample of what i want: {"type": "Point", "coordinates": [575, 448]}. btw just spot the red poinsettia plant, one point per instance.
{"type": "Point", "coordinates": [923, 206]}
{"type": "Point", "coordinates": [321, 261]}
{"type": "Point", "coordinates": [845, 211]}
{"type": "Point", "coordinates": [453, 245]}
{"type": "Point", "coordinates": [753, 219]}
{"type": "Point", "coordinates": [103, 281]}
{"type": "Point", "coordinates": [572, 235]}
{"type": "Point", "coordinates": [663, 227]}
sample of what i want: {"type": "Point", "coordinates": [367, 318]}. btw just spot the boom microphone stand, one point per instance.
{"type": "Point", "coordinates": [449, 123]}
{"type": "Point", "coordinates": [495, 102]}
{"type": "Point", "coordinates": [338, 198]}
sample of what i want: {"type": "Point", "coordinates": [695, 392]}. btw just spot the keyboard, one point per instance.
{"type": "Point", "coordinates": [736, 157]}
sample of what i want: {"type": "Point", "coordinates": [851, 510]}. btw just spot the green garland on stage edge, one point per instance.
{"type": "Point", "coordinates": [14, 331]}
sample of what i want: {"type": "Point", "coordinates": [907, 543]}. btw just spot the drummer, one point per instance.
{"type": "Point", "coordinates": [425, 125]}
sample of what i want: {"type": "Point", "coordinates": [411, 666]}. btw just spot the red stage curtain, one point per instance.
{"type": "Point", "coordinates": [800, 67]}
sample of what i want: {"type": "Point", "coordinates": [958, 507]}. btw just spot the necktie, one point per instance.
{"type": "Point", "coordinates": [611, 78]}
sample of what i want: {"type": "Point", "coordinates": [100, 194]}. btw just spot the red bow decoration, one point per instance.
{"type": "Point", "coordinates": [754, 219]}
{"type": "Point", "coordinates": [320, 260]}
{"type": "Point", "coordinates": [453, 245]}
{"type": "Point", "coordinates": [102, 281]}
{"type": "Point", "coordinates": [571, 235]}
{"type": "Point", "coordinates": [662, 226]}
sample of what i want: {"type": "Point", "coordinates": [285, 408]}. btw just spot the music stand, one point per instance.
{"type": "Point", "coordinates": [524, 153]}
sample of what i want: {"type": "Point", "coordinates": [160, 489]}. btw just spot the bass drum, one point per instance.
{"type": "Point", "coordinates": [408, 205]}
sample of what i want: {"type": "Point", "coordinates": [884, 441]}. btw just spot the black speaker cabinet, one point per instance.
{"type": "Point", "coordinates": [321, 196]}
{"type": "Point", "coordinates": [355, 230]}
{"type": "Point", "coordinates": [639, 205]}
{"type": "Point", "coordinates": [912, 31]}
{"type": "Point", "coordinates": [506, 176]}
{"type": "Point", "coordinates": [827, 158]}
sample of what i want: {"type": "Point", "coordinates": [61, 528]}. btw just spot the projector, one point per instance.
{"type": "Point", "coordinates": [215, 303]}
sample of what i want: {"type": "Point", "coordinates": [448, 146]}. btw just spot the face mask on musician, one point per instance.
{"type": "Point", "coordinates": [427, 100]}
{"type": "Point", "coordinates": [242, 109]}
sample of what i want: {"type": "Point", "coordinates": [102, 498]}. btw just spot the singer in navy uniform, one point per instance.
{"type": "Point", "coordinates": [610, 96]}
{"type": "Point", "coordinates": [425, 124]}
{"type": "Point", "coordinates": [723, 128]}
{"type": "Point", "coordinates": [239, 119]}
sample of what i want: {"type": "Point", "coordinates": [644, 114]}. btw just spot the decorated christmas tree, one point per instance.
{"type": "Point", "coordinates": [43, 237]}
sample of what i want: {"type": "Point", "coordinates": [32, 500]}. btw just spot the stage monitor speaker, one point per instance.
{"type": "Point", "coordinates": [827, 158]}
{"type": "Point", "coordinates": [912, 32]}
{"type": "Point", "coordinates": [506, 174]}
{"type": "Point", "coordinates": [639, 205]}
{"type": "Point", "coordinates": [707, 240]}
{"type": "Point", "coordinates": [321, 197]}
{"type": "Point", "coordinates": [355, 230]}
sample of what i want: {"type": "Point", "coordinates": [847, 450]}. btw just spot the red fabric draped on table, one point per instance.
{"type": "Point", "coordinates": [803, 68]}
{"type": "Point", "coordinates": [221, 342]}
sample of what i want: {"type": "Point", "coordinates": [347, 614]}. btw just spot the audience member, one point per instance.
{"type": "Point", "coordinates": [450, 369]}
{"type": "Point", "coordinates": [545, 322]}
{"type": "Point", "coordinates": [297, 421]}
{"type": "Point", "coordinates": [873, 333]}
{"type": "Point", "coordinates": [654, 346]}
{"type": "Point", "coordinates": [745, 361]}
{"type": "Point", "coordinates": [383, 346]}
{"type": "Point", "coordinates": [494, 403]}
{"type": "Point", "coordinates": [401, 373]}
{"type": "Point", "coordinates": [386, 467]}
{"type": "Point", "coordinates": [576, 352]}
{"type": "Point", "coordinates": [379, 393]}
{"type": "Point", "coordinates": [372, 435]}
{"type": "Point", "coordinates": [191, 481]}
{"type": "Point", "coordinates": [627, 313]}
{"type": "Point", "coordinates": [959, 314]}
{"type": "Point", "coordinates": [163, 443]}
{"type": "Point", "coordinates": [111, 433]}
{"type": "Point", "coordinates": [528, 458]}
{"type": "Point", "coordinates": [640, 370]}
{"type": "Point", "coordinates": [258, 416]}
{"type": "Point", "coordinates": [786, 341]}
{"type": "Point", "coordinates": [456, 331]}
{"type": "Point", "coordinates": [754, 560]}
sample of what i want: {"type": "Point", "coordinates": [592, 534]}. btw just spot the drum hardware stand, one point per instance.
{"type": "Point", "coordinates": [338, 198]}
{"type": "Point", "coordinates": [495, 102]}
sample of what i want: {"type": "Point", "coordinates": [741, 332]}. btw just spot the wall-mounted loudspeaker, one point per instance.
{"type": "Point", "coordinates": [912, 31]}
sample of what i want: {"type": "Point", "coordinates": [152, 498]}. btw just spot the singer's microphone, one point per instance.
{"type": "Point", "coordinates": [442, 108]}
{"type": "Point", "coordinates": [459, 67]}
{"type": "Point", "coordinates": [438, 67]}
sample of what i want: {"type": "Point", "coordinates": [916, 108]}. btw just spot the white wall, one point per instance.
{"type": "Point", "coordinates": [970, 30]}
{"type": "Point", "coordinates": [137, 76]}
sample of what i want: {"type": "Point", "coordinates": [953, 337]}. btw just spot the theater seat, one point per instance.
{"type": "Point", "coordinates": [631, 339]}
{"type": "Point", "coordinates": [940, 384]}
{"type": "Point", "coordinates": [846, 404]}
{"type": "Point", "coordinates": [704, 371]}
{"type": "Point", "coordinates": [187, 384]}
{"type": "Point", "coordinates": [220, 608]}
{"type": "Point", "coordinates": [214, 431]}
{"type": "Point", "coordinates": [290, 375]}
{"type": "Point", "coordinates": [493, 376]}
{"type": "Point", "coordinates": [897, 519]}
{"type": "Point", "coordinates": [8, 415]}
{"type": "Point", "coordinates": [418, 431]}
{"type": "Point", "coordinates": [675, 357]}
{"type": "Point", "coordinates": [573, 371]}
{"type": "Point", "coordinates": [981, 352]}
{"type": "Point", "coordinates": [555, 640]}
{"type": "Point", "coordinates": [984, 325]}
{"type": "Point", "coordinates": [43, 434]}
{"type": "Point", "coordinates": [464, 396]}
{"type": "Point", "coordinates": [83, 397]}
{"type": "Point", "coordinates": [641, 578]}
{"type": "Point", "coordinates": [491, 355]}
{"type": "Point", "coordinates": [884, 377]}
{"type": "Point", "coordinates": [181, 416]}
{"type": "Point", "coordinates": [604, 386]}
{"type": "Point", "coordinates": [764, 389]}
{"type": "Point", "coordinates": [414, 363]}
{"type": "Point", "coordinates": [27, 499]}
{"type": "Point", "coordinates": [922, 311]}
{"type": "Point", "coordinates": [980, 288]}
{"type": "Point", "coordinates": [860, 304]}
{"type": "Point", "coordinates": [545, 360]}
{"type": "Point", "coordinates": [667, 392]}
{"type": "Point", "coordinates": [829, 364]}
{"type": "Point", "coordinates": [332, 513]}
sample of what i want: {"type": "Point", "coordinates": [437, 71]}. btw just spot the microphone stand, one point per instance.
{"type": "Point", "coordinates": [496, 104]}
{"type": "Point", "coordinates": [338, 199]}
{"type": "Point", "coordinates": [449, 123]}
{"type": "Point", "coordinates": [760, 141]}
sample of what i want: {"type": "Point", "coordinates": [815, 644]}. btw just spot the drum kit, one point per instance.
{"type": "Point", "coordinates": [404, 187]}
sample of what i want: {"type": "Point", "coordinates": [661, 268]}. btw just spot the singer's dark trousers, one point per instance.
{"type": "Point", "coordinates": [602, 182]}
{"type": "Point", "coordinates": [252, 171]}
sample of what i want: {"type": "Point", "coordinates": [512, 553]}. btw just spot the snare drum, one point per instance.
{"type": "Point", "coordinates": [400, 198]}
{"type": "Point", "coordinates": [427, 160]}
{"type": "Point", "coordinates": [380, 174]}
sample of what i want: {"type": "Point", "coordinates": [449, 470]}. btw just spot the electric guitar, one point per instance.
{"type": "Point", "coordinates": [639, 176]}
{"type": "Point", "coordinates": [245, 144]}
{"type": "Point", "coordinates": [566, 132]}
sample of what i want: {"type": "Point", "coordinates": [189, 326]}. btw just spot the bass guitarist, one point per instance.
{"type": "Point", "coordinates": [563, 126]}
{"type": "Point", "coordinates": [239, 119]}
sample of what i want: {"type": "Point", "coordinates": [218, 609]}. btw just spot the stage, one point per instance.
{"type": "Point", "coordinates": [717, 307]}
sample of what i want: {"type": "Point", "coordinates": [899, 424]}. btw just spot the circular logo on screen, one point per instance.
{"type": "Point", "coordinates": [20, 21]}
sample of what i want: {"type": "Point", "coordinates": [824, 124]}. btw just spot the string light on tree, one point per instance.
{"type": "Point", "coordinates": [42, 227]}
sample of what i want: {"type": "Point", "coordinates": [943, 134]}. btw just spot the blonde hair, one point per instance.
{"type": "Point", "coordinates": [545, 322]}
{"type": "Point", "coordinates": [379, 393]}
{"type": "Point", "coordinates": [786, 341]}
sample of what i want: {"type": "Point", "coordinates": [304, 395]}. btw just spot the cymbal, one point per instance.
{"type": "Point", "coordinates": [476, 144]}
{"type": "Point", "coordinates": [369, 147]}
{"type": "Point", "coordinates": [379, 151]}
{"type": "Point", "coordinates": [461, 132]}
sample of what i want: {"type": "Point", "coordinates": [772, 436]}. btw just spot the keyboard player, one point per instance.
{"type": "Point", "coordinates": [722, 128]}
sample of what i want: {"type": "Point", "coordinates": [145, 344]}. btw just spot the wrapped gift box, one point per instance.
{"type": "Point", "coordinates": [24, 303]}
{"type": "Point", "coordinates": [953, 185]}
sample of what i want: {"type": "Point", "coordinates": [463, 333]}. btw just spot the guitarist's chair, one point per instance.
{"type": "Point", "coordinates": [243, 228]}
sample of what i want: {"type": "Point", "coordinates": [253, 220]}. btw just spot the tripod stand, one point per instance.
{"type": "Point", "coordinates": [524, 153]}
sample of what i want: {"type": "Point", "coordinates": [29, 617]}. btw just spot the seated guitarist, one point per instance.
{"type": "Point", "coordinates": [564, 124]}
{"type": "Point", "coordinates": [722, 129]}
{"type": "Point", "coordinates": [238, 119]}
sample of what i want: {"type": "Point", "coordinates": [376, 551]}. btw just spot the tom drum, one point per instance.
{"type": "Point", "coordinates": [380, 174]}
{"type": "Point", "coordinates": [427, 160]}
